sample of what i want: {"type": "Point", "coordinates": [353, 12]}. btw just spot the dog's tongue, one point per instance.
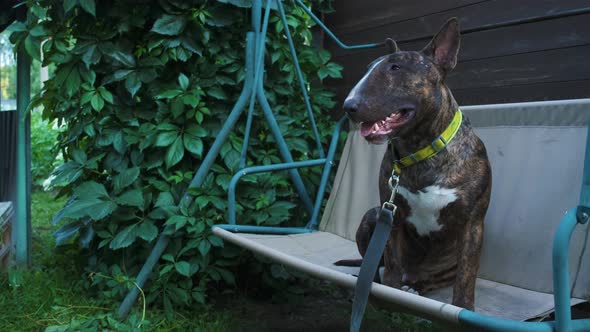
{"type": "Point", "coordinates": [366, 128]}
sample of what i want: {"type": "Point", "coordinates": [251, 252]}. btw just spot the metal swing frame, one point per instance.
{"type": "Point", "coordinates": [253, 91]}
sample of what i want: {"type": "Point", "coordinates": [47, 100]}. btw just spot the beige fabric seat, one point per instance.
{"type": "Point", "coordinates": [537, 153]}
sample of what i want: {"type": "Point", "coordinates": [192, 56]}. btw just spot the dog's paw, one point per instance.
{"type": "Point", "coordinates": [409, 289]}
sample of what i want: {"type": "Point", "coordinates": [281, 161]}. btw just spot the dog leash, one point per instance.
{"type": "Point", "coordinates": [373, 255]}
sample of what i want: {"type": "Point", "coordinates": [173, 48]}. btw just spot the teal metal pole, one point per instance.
{"type": "Point", "coordinates": [331, 34]}
{"type": "Point", "coordinates": [23, 166]}
{"type": "Point", "coordinates": [283, 149]}
{"type": "Point", "coordinates": [198, 179]}
{"type": "Point", "coordinates": [561, 274]}
{"type": "Point", "coordinates": [585, 192]}
{"type": "Point", "coordinates": [259, 41]}
{"type": "Point", "coordinates": [301, 80]}
{"type": "Point", "coordinates": [265, 229]}
{"type": "Point", "coordinates": [477, 322]}
{"type": "Point", "coordinates": [313, 222]}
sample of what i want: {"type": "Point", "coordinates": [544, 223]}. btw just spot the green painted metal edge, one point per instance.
{"type": "Point", "coordinates": [231, 192]}
{"type": "Point", "coordinates": [301, 80]}
{"type": "Point", "coordinates": [314, 220]}
{"type": "Point", "coordinates": [478, 322]}
{"type": "Point", "coordinates": [561, 275]}
{"type": "Point", "coordinates": [264, 229]}
{"type": "Point", "coordinates": [22, 229]}
{"type": "Point", "coordinates": [331, 34]}
{"type": "Point", "coordinates": [585, 191]}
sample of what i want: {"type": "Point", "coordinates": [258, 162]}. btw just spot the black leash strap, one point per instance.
{"type": "Point", "coordinates": [372, 257]}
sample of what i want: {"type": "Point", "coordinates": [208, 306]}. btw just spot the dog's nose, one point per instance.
{"type": "Point", "coordinates": [351, 105]}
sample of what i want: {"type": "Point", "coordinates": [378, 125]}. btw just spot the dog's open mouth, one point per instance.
{"type": "Point", "coordinates": [378, 131]}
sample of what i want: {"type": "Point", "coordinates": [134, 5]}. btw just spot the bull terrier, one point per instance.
{"type": "Point", "coordinates": [444, 172]}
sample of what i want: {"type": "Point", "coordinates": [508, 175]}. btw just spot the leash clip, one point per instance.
{"type": "Point", "coordinates": [393, 184]}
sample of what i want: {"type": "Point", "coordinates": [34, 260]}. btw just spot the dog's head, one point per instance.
{"type": "Point", "coordinates": [402, 89]}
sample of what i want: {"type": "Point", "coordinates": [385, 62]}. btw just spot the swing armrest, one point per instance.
{"type": "Point", "coordinates": [312, 225]}
{"type": "Point", "coordinates": [561, 277]}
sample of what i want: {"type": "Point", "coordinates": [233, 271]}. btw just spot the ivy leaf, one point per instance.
{"type": "Point", "coordinates": [193, 144]}
{"type": "Point", "coordinates": [232, 159]}
{"type": "Point", "coordinates": [223, 180]}
{"type": "Point", "coordinates": [91, 56]}
{"type": "Point", "coordinates": [125, 178]}
{"type": "Point", "coordinates": [89, 6]}
{"type": "Point", "coordinates": [204, 247]}
{"type": "Point", "coordinates": [123, 57]}
{"type": "Point", "coordinates": [124, 238]}
{"type": "Point", "coordinates": [119, 142]}
{"type": "Point", "coordinates": [217, 92]}
{"type": "Point", "coordinates": [69, 4]}
{"type": "Point", "coordinates": [166, 138]}
{"type": "Point", "coordinates": [191, 100]}
{"type": "Point", "coordinates": [177, 221]}
{"type": "Point", "coordinates": [97, 102]}
{"type": "Point", "coordinates": [91, 189]}
{"type": "Point", "coordinates": [73, 81]}
{"type": "Point", "coordinates": [215, 241]}
{"type": "Point", "coordinates": [33, 47]}
{"type": "Point", "coordinates": [132, 84]}
{"type": "Point", "coordinates": [168, 94]}
{"type": "Point", "coordinates": [120, 75]}
{"type": "Point", "coordinates": [147, 231]}
{"type": "Point", "coordinates": [175, 153]}
{"type": "Point", "coordinates": [183, 81]}
{"type": "Point", "coordinates": [183, 268]}
{"type": "Point", "coordinates": [164, 199]}
{"type": "Point", "coordinates": [176, 107]}
{"type": "Point", "coordinates": [169, 25]}
{"type": "Point", "coordinates": [105, 94]}
{"type": "Point", "coordinates": [132, 197]}
{"type": "Point", "coordinates": [96, 209]}
{"type": "Point", "coordinates": [79, 156]}
{"type": "Point", "coordinates": [196, 131]}
{"type": "Point", "coordinates": [66, 232]}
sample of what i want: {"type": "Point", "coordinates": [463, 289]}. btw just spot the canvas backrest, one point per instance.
{"type": "Point", "coordinates": [536, 151]}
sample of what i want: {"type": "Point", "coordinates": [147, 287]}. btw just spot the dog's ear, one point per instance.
{"type": "Point", "coordinates": [392, 45]}
{"type": "Point", "coordinates": [444, 47]}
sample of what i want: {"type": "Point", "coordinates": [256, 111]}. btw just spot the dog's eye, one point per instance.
{"type": "Point", "coordinates": [394, 67]}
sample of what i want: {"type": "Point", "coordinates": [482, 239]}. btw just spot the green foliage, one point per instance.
{"type": "Point", "coordinates": [142, 89]}
{"type": "Point", "coordinates": [44, 155]}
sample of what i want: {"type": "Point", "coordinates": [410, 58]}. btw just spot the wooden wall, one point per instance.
{"type": "Point", "coordinates": [511, 50]}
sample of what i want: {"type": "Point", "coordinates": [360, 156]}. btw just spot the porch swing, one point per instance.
{"type": "Point", "coordinates": [516, 281]}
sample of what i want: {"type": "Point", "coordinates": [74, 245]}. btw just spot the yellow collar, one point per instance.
{"type": "Point", "coordinates": [435, 147]}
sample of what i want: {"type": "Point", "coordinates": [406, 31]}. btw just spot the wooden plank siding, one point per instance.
{"type": "Point", "coordinates": [511, 51]}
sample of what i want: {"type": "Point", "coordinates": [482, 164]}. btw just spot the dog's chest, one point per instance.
{"type": "Point", "coordinates": [425, 206]}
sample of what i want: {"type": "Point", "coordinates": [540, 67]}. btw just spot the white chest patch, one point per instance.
{"type": "Point", "coordinates": [425, 206]}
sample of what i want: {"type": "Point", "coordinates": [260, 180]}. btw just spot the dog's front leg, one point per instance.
{"type": "Point", "coordinates": [469, 249]}
{"type": "Point", "coordinates": [392, 273]}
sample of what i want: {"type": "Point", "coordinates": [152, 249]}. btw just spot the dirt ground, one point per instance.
{"type": "Point", "coordinates": [321, 311]}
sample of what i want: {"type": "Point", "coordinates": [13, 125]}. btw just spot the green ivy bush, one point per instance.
{"type": "Point", "coordinates": [142, 88]}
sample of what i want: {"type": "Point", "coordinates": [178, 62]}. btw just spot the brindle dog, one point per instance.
{"type": "Point", "coordinates": [437, 237]}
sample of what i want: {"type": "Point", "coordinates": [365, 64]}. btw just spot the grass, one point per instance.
{"type": "Point", "coordinates": [50, 297]}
